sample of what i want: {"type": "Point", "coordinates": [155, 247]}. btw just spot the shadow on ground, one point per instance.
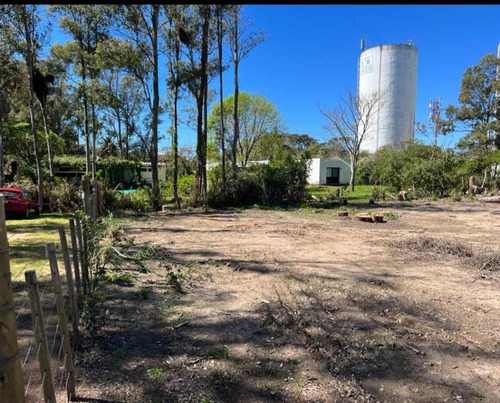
{"type": "Point", "coordinates": [362, 338]}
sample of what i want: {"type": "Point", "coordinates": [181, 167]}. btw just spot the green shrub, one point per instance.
{"type": "Point", "coordinates": [245, 190]}
{"type": "Point", "coordinates": [281, 182]}
{"type": "Point", "coordinates": [91, 314]}
{"type": "Point", "coordinates": [64, 196]}
{"type": "Point", "coordinates": [378, 193]}
{"type": "Point", "coordinates": [185, 188]}
{"type": "Point", "coordinates": [364, 171]}
{"type": "Point", "coordinates": [140, 201]}
{"type": "Point", "coordinates": [185, 185]}
{"type": "Point", "coordinates": [26, 172]}
{"type": "Point", "coordinates": [427, 170]}
{"type": "Point", "coordinates": [456, 195]}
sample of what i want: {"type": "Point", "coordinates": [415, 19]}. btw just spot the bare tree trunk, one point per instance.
{"type": "Point", "coordinates": [199, 149]}
{"type": "Point", "coordinates": [236, 131]}
{"type": "Point", "coordinates": [175, 148]}
{"type": "Point", "coordinates": [175, 136]}
{"type": "Point", "coordinates": [127, 130]}
{"type": "Point", "coordinates": [484, 179]}
{"type": "Point", "coordinates": [219, 37]}
{"type": "Point", "coordinates": [88, 165]}
{"type": "Point", "coordinates": [49, 147]}
{"type": "Point", "coordinates": [86, 119]}
{"type": "Point", "coordinates": [205, 138]}
{"type": "Point", "coordinates": [94, 142]}
{"type": "Point", "coordinates": [36, 144]}
{"type": "Point", "coordinates": [156, 107]}
{"type": "Point", "coordinates": [354, 166]}
{"type": "Point", "coordinates": [2, 167]}
{"type": "Point", "coordinates": [201, 146]}
{"type": "Point", "coordinates": [120, 142]}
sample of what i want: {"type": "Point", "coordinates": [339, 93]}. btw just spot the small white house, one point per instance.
{"type": "Point", "coordinates": [327, 171]}
{"type": "Point", "coordinates": [147, 172]}
{"type": "Point", "coordinates": [322, 171]}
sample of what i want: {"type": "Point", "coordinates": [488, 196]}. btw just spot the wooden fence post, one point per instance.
{"type": "Point", "coordinates": [50, 250]}
{"type": "Point", "coordinates": [83, 253]}
{"type": "Point", "coordinates": [86, 195]}
{"type": "Point", "coordinates": [91, 213]}
{"type": "Point", "coordinates": [40, 336]}
{"type": "Point", "coordinates": [76, 262]}
{"type": "Point", "coordinates": [69, 283]}
{"type": "Point", "coordinates": [11, 375]}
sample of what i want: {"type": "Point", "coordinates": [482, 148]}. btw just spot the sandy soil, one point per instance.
{"type": "Point", "coordinates": [279, 306]}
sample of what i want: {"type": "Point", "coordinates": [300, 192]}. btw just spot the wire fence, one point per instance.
{"type": "Point", "coordinates": [38, 360]}
{"type": "Point", "coordinates": [30, 348]}
{"type": "Point", "coordinates": [43, 308]}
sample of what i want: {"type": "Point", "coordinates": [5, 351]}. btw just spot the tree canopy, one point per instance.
{"type": "Point", "coordinates": [258, 117]}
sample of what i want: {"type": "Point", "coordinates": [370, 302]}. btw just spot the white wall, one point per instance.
{"type": "Point", "coordinates": [314, 172]}
{"type": "Point", "coordinates": [318, 168]}
{"type": "Point", "coordinates": [147, 175]}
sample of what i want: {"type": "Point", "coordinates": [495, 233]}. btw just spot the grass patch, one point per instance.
{"type": "Point", "coordinates": [155, 373]}
{"type": "Point", "coordinates": [47, 222]}
{"type": "Point", "coordinates": [143, 293]}
{"type": "Point", "coordinates": [390, 215]}
{"type": "Point", "coordinates": [219, 352]}
{"type": "Point", "coordinates": [222, 380]}
{"type": "Point", "coordinates": [27, 240]}
{"type": "Point", "coordinates": [361, 193]}
{"type": "Point", "coordinates": [118, 278]}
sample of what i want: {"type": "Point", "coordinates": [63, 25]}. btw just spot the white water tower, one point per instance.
{"type": "Point", "coordinates": [390, 70]}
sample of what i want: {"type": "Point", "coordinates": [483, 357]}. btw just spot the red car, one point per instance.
{"type": "Point", "coordinates": [19, 202]}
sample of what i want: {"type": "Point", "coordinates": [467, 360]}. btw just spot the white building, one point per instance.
{"type": "Point", "coordinates": [147, 172]}
{"type": "Point", "coordinates": [327, 171]}
{"type": "Point", "coordinates": [322, 171]}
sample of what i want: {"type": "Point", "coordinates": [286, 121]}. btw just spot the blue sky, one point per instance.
{"type": "Point", "coordinates": [310, 55]}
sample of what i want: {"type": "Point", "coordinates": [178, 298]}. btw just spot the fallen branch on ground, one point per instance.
{"type": "Point", "coordinates": [490, 199]}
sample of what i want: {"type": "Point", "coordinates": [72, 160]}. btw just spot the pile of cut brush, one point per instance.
{"type": "Point", "coordinates": [371, 218]}
{"type": "Point", "coordinates": [476, 258]}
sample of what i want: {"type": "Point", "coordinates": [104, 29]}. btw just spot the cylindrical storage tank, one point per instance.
{"type": "Point", "coordinates": [391, 72]}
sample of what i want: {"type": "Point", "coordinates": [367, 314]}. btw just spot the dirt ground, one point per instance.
{"type": "Point", "coordinates": [282, 306]}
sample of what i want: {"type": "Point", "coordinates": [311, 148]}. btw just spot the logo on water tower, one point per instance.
{"type": "Point", "coordinates": [366, 65]}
